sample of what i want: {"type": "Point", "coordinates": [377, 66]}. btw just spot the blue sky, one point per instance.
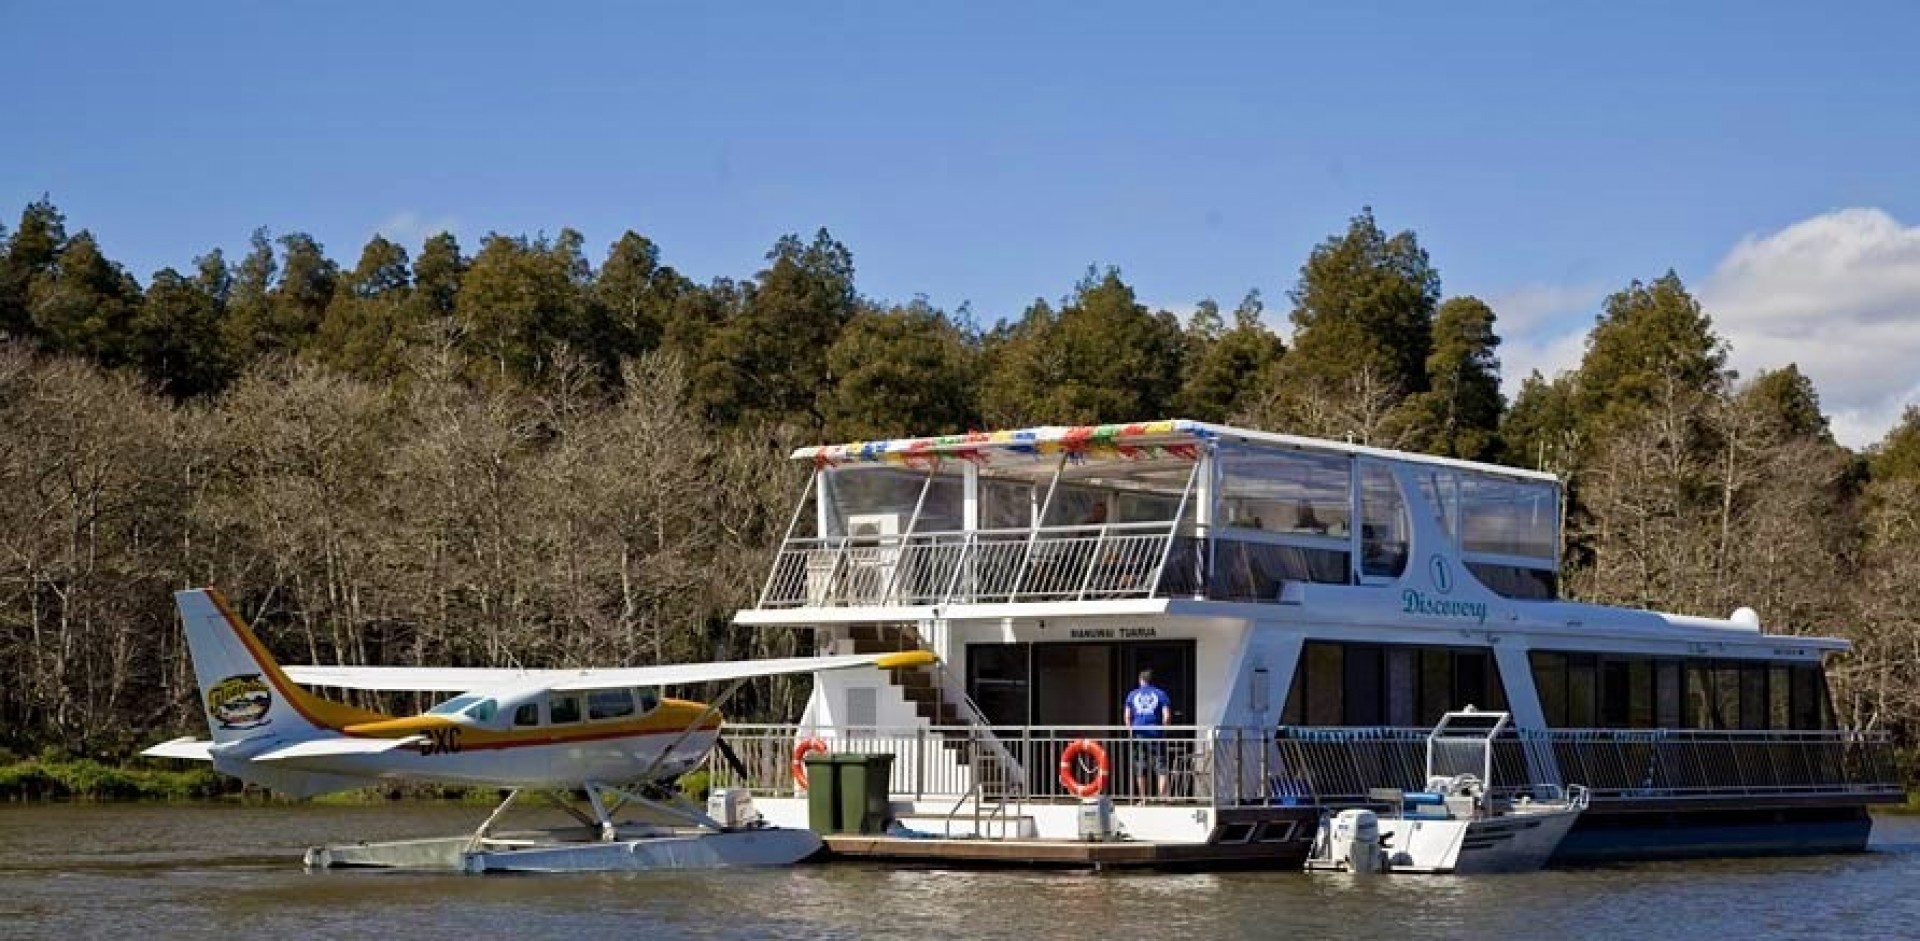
{"type": "Point", "coordinates": [988, 152]}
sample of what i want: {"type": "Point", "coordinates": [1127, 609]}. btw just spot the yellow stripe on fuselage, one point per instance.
{"type": "Point", "coordinates": [673, 716]}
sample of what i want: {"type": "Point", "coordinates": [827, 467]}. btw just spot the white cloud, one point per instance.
{"type": "Point", "coordinates": [1839, 294]}
{"type": "Point", "coordinates": [412, 228]}
{"type": "Point", "coordinates": [1542, 327]}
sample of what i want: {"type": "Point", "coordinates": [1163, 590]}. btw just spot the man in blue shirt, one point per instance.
{"type": "Point", "coordinates": [1146, 710]}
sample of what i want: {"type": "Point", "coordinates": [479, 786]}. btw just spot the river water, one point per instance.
{"type": "Point", "coordinates": [229, 871]}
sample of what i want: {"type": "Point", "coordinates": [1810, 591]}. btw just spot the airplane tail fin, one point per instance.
{"type": "Point", "coordinates": [243, 690]}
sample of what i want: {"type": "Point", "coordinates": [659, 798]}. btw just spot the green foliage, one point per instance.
{"type": "Point", "coordinates": [1897, 456]}
{"type": "Point", "coordinates": [1786, 401]}
{"type": "Point", "coordinates": [84, 303]}
{"type": "Point", "coordinates": [904, 371]}
{"type": "Point", "coordinates": [519, 302]}
{"type": "Point", "coordinates": [1365, 302]}
{"type": "Point", "coordinates": [1648, 337]}
{"type": "Point", "coordinates": [1227, 368]}
{"type": "Point", "coordinates": [768, 361]}
{"type": "Point", "coordinates": [1540, 430]}
{"type": "Point", "coordinates": [637, 294]}
{"type": "Point", "coordinates": [175, 339]}
{"type": "Point", "coordinates": [59, 778]}
{"type": "Point", "coordinates": [1459, 414]}
{"type": "Point", "coordinates": [1102, 358]}
{"type": "Point", "coordinates": [370, 320]}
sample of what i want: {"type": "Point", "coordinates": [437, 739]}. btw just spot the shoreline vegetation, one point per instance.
{"type": "Point", "coordinates": [536, 455]}
{"type": "Point", "coordinates": [53, 777]}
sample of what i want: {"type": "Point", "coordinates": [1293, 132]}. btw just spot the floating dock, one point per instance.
{"type": "Point", "coordinates": [1061, 854]}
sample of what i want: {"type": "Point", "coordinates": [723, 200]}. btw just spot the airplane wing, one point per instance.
{"type": "Point", "coordinates": [331, 747]}
{"type": "Point", "coordinates": [415, 679]}
{"type": "Point", "coordinates": [465, 680]}
{"type": "Point", "coordinates": [186, 747]}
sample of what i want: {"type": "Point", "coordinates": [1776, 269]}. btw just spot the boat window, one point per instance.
{"type": "Point", "coordinates": [563, 707]}
{"type": "Point", "coordinates": [1383, 526]}
{"type": "Point", "coordinates": [1286, 491]}
{"type": "Point", "coordinates": [609, 703]}
{"type": "Point", "coordinates": [528, 713]}
{"type": "Point", "coordinates": [454, 706]}
{"type": "Point", "coordinates": [1006, 504]}
{"type": "Point", "coordinates": [879, 501]}
{"type": "Point", "coordinates": [1344, 684]}
{"type": "Point", "coordinates": [1509, 517]}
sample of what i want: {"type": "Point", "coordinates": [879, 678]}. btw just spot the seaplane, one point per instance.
{"type": "Point", "coordinates": [609, 733]}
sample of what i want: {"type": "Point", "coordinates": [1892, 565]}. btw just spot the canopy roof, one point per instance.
{"type": "Point", "coordinates": [1138, 440]}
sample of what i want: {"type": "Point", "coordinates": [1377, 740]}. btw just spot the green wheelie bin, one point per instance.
{"type": "Point", "coordinates": [865, 786]}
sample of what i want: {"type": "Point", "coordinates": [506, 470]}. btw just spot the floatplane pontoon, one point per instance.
{"type": "Point", "coordinates": [1312, 608]}
{"type": "Point", "coordinates": [547, 733]}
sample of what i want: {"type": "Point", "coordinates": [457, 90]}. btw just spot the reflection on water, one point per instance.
{"type": "Point", "coordinates": [81, 872]}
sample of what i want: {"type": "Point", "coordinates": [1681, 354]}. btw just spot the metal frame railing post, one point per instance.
{"type": "Point", "coordinates": [1173, 531]}
{"type": "Point", "coordinates": [1033, 533]}
{"type": "Point", "coordinates": [786, 540]}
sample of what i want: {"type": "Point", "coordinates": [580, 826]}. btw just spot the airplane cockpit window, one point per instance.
{"type": "Point", "coordinates": [454, 706]}
{"type": "Point", "coordinates": [649, 699]}
{"type": "Point", "coordinates": [563, 707]}
{"type": "Point", "coordinates": [483, 711]}
{"type": "Point", "coordinates": [527, 714]}
{"type": "Point", "coordinates": [609, 703]}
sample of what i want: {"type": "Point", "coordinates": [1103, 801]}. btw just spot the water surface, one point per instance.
{"type": "Point", "coordinates": [162, 871]}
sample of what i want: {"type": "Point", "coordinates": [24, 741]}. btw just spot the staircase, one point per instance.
{"type": "Point", "coordinates": [997, 774]}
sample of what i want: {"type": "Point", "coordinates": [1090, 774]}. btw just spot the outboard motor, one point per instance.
{"type": "Point", "coordinates": [1355, 841]}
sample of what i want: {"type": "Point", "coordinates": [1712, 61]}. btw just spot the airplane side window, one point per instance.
{"type": "Point", "coordinates": [609, 703]}
{"type": "Point", "coordinates": [649, 699]}
{"type": "Point", "coordinates": [563, 707]}
{"type": "Point", "coordinates": [485, 711]}
{"type": "Point", "coordinates": [527, 714]}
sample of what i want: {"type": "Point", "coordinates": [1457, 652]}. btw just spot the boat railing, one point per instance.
{"type": "Point", "coordinates": [1343, 764]}
{"type": "Point", "coordinates": [1186, 765]}
{"type": "Point", "coordinates": [1237, 767]}
{"type": "Point", "coordinates": [1053, 563]}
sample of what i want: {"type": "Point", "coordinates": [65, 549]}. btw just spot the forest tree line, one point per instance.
{"type": "Point", "coordinates": [530, 455]}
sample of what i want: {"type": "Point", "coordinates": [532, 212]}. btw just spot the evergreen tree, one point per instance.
{"type": "Point", "coordinates": [904, 371]}
{"type": "Point", "coordinates": [1103, 358]}
{"type": "Point", "coordinates": [1897, 456]}
{"type": "Point", "coordinates": [368, 323]}
{"type": "Point", "coordinates": [1541, 430]}
{"type": "Point", "coordinates": [636, 294]}
{"type": "Point", "coordinates": [1364, 303]}
{"type": "Point", "coordinates": [84, 304]}
{"type": "Point", "coordinates": [299, 301]}
{"type": "Point", "coordinates": [1229, 369]}
{"type": "Point", "coordinates": [1459, 414]}
{"type": "Point", "coordinates": [30, 253]}
{"type": "Point", "coordinates": [1647, 337]}
{"type": "Point", "coordinates": [519, 301]}
{"type": "Point", "coordinates": [769, 360]}
{"type": "Point", "coordinates": [1786, 400]}
{"type": "Point", "coordinates": [436, 278]}
{"type": "Point", "coordinates": [249, 329]}
{"type": "Point", "coordinates": [176, 339]}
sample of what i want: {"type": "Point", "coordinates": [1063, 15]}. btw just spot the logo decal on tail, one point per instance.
{"type": "Point", "coordinates": [240, 702]}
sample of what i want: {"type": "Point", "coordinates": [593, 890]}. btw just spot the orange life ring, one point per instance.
{"type": "Point", "coordinates": [805, 747]}
{"type": "Point", "coordinates": [1071, 781]}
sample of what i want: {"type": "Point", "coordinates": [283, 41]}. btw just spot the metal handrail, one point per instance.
{"type": "Point", "coordinates": [1230, 767]}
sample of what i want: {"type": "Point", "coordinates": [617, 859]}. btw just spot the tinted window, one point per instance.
{"type": "Point", "coordinates": [563, 707]}
{"type": "Point", "coordinates": [609, 703]}
{"type": "Point", "coordinates": [527, 714]}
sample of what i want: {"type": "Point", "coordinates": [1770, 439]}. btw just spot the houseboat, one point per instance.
{"type": "Point", "coordinates": [1310, 609]}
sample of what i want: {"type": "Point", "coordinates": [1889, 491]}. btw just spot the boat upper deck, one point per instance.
{"type": "Point", "coordinates": [1181, 511]}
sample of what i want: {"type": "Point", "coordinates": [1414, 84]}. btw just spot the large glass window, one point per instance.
{"type": "Point", "coordinates": [1285, 491]}
{"type": "Point", "coordinates": [878, 501]}
{"type": "Point", "coordinates": [1389, 684]}
{"type": "Point", "coordinates": [1383, 527]}
{"type": "Point", "coordinates": [1613, 691]}
{"type": "Point", "coordinates": [1509, 517]}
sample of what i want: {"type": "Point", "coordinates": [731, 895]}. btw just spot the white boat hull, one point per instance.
{"type": "Point", "coordinates": [1520, 842]}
